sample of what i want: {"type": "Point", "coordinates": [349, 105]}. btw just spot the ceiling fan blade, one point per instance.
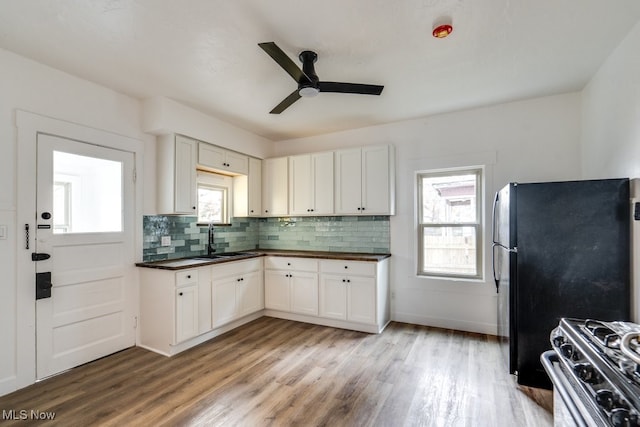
{"type": "Point", "coordinates": [286, 103]}
{"type": "Point", "coordinates": [350, 88]}
{"type": "Point", "coordinates": [284, 61]}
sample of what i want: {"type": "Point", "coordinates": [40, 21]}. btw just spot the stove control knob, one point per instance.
{"type": "Point", "coordinates": [567, 350]}
{"type": "Point", "coordinates": [605, 399]}
{"type": "Point", "coordinates": [558, 341]}
{"type": "Point", "coordinates": [586, 373]}
{"type": "Point", "coordinates": [621, 417]}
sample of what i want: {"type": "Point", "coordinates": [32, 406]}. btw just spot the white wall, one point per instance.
{"type": "Point", "coordinates": [611, 129]}
{"type": "Point", "coordinates": [534, 140]}
{"type": "Point", "coordinates": [27, 85]}
{"type": "Point", "coordinates": [30, 86]}
{"type": "Point", "coordinates": [162, 116]}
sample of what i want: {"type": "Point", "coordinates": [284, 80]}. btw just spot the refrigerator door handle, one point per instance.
{"type": "Point", "coordinates": [493, 217]}
{"type": "Point", "coordinates": [493, 263]}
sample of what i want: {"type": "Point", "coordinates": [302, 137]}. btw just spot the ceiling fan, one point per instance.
{"type": "Point", "coordinates": [308, 82]}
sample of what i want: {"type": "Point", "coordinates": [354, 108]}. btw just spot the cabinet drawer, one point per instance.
{"type": "Point", "coordinates": [236, 268]}
{"type": "Point", "coordinates": [186, 277]}
{"type": "Point", "coordinates": [291, 263]}
{"type": "Point", "coordinates": [357, 268]}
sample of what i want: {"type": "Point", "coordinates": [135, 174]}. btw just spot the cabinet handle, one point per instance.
{"type": "Point", "coordinates": [189, 277]}
{"type": "Point", "coordinates": [344, 280]}
{"type": "Point", "coordinates": [251, 211]}
{"type": "Point", "coordinates": [346, 266]}
{"type": "Point", "coordinates": [180, 294]}
{"type": "Point", "coordinates": [266, 211]}
{"type": "Point", "coordinates": [193, 207]}
{"type": "Point", "coordinates": [362, 208]}
{"type": "Point", "coordinates": [348, 280]}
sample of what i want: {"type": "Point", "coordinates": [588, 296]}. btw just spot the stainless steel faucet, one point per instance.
{"type": "Point", "coordinates": [210, 240]}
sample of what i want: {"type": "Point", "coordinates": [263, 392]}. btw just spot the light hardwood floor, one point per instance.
{"type": "Point", "coordinates": [274, 372]}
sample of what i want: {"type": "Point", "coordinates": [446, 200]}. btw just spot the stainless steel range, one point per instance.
{"type": "Point", "coordinates": [595, 370]}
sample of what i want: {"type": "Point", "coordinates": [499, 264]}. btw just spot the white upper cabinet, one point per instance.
{"type": "Point", "coordinates": [213, 157]}
{"type": "Point", "coordinates": [311, 184]}
{"type": "Point", "coordinates": [247, 191]}
{"type": "Point", "coordinates": [275, 187]}
{"type": "Point", "coordinates": [365, 181]}
{"type": "Point", "coordinates": [176, 165]}
{"type": "Point", "coordinates": [255, 187]}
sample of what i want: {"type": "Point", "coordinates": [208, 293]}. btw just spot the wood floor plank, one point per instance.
{"type": "Point", "coordinates": [274, 372]}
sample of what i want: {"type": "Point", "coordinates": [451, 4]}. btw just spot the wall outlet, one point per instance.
{"type": "Point", "coordinates": [165, 241]}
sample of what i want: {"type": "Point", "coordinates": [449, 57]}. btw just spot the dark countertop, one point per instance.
{"type": "Point", "coordinates": [184, 263]}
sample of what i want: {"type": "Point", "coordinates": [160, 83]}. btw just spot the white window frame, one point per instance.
{"type": "Point", "coordinates": [477, 225]}
{"type": "Point", "coordinates": [218, 182]}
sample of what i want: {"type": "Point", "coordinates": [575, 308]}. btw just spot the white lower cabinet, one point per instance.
{"type": "Point", "coordinates": [354, 291]}
{"type": "Point", "coordinates": [346, 294]}
{"type": "Point", "coordinates": [291, 285]}
{"type": "Point", "coordinates": [237, 290]}
{"type": "Point", "coordinates": [180, 309]}
{"type": "Point", "coordinates": [186, 312]}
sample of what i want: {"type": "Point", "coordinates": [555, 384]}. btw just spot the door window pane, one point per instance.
{"type": "Point", "coordinates": [87, 194]}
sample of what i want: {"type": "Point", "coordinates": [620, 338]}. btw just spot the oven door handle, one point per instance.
{"type": "Point", "coordinates": [548, 358]}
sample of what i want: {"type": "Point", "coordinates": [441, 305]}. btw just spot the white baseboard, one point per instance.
{"type": "Point", "coordinates": [458, 325]}
{"type": "Point", "coordinates": [8, 385]}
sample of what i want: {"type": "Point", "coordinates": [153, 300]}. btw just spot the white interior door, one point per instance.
{"type": "Point", "coordinates": [85, 222]}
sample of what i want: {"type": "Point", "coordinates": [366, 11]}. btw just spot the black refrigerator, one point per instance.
{"type": "Point", "coordinates": [560, 249]}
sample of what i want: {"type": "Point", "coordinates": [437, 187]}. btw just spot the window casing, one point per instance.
{"type": "Point", "coordinates": [450, 223]}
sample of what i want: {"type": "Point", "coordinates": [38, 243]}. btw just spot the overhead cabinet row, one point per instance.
{"type": "Point", "coordinates": [358, 181]}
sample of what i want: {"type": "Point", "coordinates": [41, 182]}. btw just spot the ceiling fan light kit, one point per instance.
{"type": "Point", "coordinates": [309, 85]}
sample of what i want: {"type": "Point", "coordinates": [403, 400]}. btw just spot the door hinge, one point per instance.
{"type": "Point", "coordinates": [135, 322]}
{"type": "Point", "coordinates": [135, 175]}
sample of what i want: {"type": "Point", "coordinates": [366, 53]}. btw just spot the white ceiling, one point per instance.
{"type": "Point", "coordinates": [205, 54]}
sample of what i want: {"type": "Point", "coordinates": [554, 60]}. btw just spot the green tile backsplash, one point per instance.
{"type": "Point", "coordinates": [363, 234]}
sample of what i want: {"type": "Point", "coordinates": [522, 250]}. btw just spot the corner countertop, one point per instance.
{"type": "Point", "coordinates": [184, 263]}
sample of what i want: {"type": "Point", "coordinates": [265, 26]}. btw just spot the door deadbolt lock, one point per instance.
{"type": "Point", "coordinates": [35, 256]}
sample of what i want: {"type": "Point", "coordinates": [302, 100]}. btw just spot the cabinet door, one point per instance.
{"type": "Point", "coordinates": [300, 185]}
{"type": "Point", "coordinates": [304, 293]}
{"type": "Point", "coordinates": [255, 187]}
{"type": "Point", "coordinates": [361, 299]}
{"type": "Point", "coordinates": [224, 301]}
{"type": "Point", "coordinates": [322, 181]}
{"type": "Point", "coordinates": [275, 186]}
{"type": "Point", "coordinates": [236, 162]}
{"type": "Point", "coordinates": [276, 290]}
{"type": "Point", "coordinates": [185, 176]}
{"type": "Point", "coordinates": [249, 293]}
{"type": "Point", "coordinates": [211, 156]}
{"type": "Point", "coordinates": [376, 196]}
{"type": "Point", "coordinates": [348, 181]}
{"type": "Point", "coordinates": [333, 297]}
{"type": "Point", "coordinates": [204, 299]}
{"type": "Point", "coordinates": [186, 312]}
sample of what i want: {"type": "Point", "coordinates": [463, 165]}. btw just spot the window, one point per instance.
{"type": "Point", "coordinates": [87, 194]}
{"type": "Point", "coordinates": [450, 223]}
{"type": "Point", "coordinates": [213, 198]}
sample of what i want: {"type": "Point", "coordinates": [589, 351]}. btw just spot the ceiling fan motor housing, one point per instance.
{"type": "Point", "coordinates": [308, 58]}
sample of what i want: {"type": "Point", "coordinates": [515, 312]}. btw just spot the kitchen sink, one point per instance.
{"type": "Point", "coordinates": [224, 255]}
